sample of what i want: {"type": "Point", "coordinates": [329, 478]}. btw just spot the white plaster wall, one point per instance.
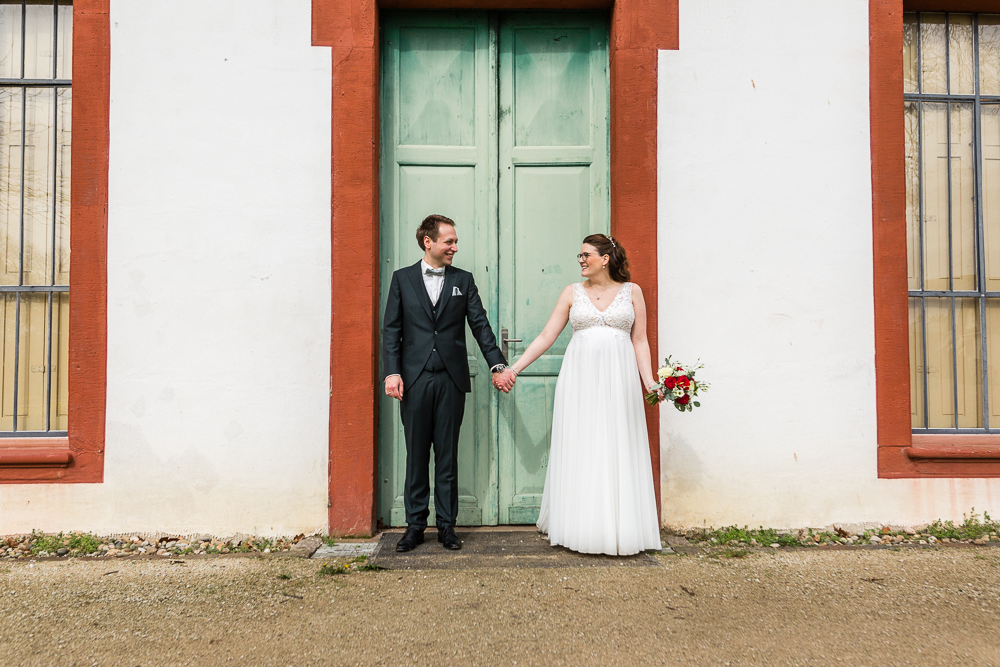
{"type": "Point", "coordinates": [765, 240]}
{"type": "Point", "coordinates": [218, 278]}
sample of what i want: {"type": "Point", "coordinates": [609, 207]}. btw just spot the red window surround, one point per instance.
{"type": "Point", "coordinates": [80, 456]}
{"type": "Point", "coordinates": [639, 28]}
{"type": "Point", "coordinates": [900, 453]}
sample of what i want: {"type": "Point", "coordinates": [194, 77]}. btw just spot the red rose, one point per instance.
{"type": "Point", "coordinates": [684, 382]}
{"type": "Point", "coordinates": [683, 400]}
{"type": "Point", "coordinates": [670, 383]}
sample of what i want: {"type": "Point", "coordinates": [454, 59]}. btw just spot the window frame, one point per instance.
{"type": "Point", "coordinates": [901, 452]}
{"type": "Point", "coordinates": [51, 289]}
{"type": "Point", "coordinates": [78, 457]}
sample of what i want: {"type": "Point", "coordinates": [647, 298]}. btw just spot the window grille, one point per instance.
{"type": "Point", "coordinates": [35, 112]}
{"type": "Point", "coordinates": [951, 71]}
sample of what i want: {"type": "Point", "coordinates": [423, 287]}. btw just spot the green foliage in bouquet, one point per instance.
{"type": "Point", "coordinates": [678, 384]}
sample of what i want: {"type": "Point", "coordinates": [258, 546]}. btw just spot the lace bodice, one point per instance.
{"type": "Point", "coordinates": [619, 314]}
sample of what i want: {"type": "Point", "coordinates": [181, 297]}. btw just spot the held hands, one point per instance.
{"type": "Point", "coordinates": [504, 380]}
{"type": "Point", "coordinates": [394, 387]}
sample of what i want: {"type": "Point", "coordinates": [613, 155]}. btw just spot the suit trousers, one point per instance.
{"type": "Point", "coordinates": [432, 410]}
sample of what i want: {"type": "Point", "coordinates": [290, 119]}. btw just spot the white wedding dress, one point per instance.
{"type": "Point", "coordinates": [598, 495]}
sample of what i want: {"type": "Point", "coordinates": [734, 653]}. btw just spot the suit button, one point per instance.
{"type": "Point", "coordinates": [435, 333]}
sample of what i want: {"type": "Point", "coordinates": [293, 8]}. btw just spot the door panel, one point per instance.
{"type": "Point", "coordinates": [551, 85]}
{"type": "Point", "coordinates": [437, 85]}
{"type": "Point", "coordinates": [439, 156]}
{"type": "Point", "coordinates": [501, 123]}
{"type": "Point", "coordinates": [553, 192]}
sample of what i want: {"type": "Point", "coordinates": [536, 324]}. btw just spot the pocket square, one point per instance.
{"type": "Point", "coordinates": [456, 292]}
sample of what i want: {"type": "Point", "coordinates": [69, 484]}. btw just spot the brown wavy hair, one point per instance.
{"type": "Point", "coordinates": [618, 260]}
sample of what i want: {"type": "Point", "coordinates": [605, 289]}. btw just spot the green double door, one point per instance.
{"type": "Point", "coordinates": [500, 122]}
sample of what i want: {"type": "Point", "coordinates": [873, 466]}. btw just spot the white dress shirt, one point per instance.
{"type": "Point", "coordinates": [433, 284]}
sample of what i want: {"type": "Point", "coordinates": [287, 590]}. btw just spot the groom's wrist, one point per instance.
{"type": "Point", "coordinates": [499, 368]}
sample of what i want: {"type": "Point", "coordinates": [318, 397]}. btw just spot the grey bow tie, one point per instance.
{"type": "Point", "coordinates": [433, 272]}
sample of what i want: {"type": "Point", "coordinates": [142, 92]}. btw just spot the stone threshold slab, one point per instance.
{"type": "Point", "coordinates": [483, 548]}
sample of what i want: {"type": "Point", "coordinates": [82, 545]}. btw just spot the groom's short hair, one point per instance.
{"type": "Point", "coordinates": [431, 226]}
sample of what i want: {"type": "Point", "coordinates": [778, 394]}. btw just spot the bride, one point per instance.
{"type": "Point", "coordinates": [598, 495]}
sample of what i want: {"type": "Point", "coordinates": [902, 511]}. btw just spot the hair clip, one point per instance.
{"type": "Point", "coordinates": [613, 244]}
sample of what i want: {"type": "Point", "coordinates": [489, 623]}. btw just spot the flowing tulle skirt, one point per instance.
{"type": "Point", "coordinates": [598, 495]}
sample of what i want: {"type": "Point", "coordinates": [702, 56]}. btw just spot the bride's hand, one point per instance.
{"type": "Point", "coordinates": [659, 392]}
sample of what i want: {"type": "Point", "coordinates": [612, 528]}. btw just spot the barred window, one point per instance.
{"type": "Point", "coordinates": [951, 71]}
{"type": "Point", "coordinates": [35, 109]}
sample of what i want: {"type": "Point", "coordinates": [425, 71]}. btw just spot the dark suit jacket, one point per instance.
{"type": "Point", "coordinates": [410, 331]}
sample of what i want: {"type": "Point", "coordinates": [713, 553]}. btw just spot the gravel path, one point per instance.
{"type": "Point", "coordinates": [932, 606]}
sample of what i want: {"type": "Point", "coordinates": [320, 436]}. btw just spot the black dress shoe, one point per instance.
{"type": "Point", "coordinates": [448, 538]}
{"type": "Point", "coordinates": [410, 539]}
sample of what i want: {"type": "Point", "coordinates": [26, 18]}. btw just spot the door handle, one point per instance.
{"type": "Point", "coordinates": [503, 343]}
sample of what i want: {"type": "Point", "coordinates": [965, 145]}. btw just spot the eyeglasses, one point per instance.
{"type": "Point", "coordinates": [584, 255]}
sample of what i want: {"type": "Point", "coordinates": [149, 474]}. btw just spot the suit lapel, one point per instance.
{"type": "Point", "coordinates": [450, 276]}
{"type": "Point", "coordinates": [417, 282]}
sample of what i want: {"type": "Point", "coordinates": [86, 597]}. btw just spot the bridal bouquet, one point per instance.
{"type": "Point", "coordinates": [678, 385]}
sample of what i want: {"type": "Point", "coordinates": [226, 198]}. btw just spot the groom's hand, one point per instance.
{"type": "Point", "coordinates": [504, 380]}
{"type": "Point", "coordinates": [394, 387]}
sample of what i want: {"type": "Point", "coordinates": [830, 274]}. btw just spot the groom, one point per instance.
{"type": "Point", "coordinates": [427, 369]}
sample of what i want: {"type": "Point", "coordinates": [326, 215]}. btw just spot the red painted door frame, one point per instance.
{"type": "Point", "coordinates": [639, 28]}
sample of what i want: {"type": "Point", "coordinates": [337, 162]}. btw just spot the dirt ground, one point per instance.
{"type": "Point", "coordinates": [935, 606]}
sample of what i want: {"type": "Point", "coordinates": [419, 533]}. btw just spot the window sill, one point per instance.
{"type": "Point", "coordinates": [943, 455]}
{"type": "Point", "coordinates": [932, 447]}
{"type": "Point", "coordinates": [34, 459]}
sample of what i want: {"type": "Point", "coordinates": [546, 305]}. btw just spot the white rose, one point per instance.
{"type": "Point", "coordinates": [664, 372]}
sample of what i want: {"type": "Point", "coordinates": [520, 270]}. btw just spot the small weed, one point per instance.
{"type": "Point", "coordinates": [733, 535]}
{"type": "Point", "coordinates": [359, 564]}
{"type": "Point", "coordinates": [329, 541]}
{"type": "Point", "coordinates": [787, 540]}
{"type": "Point", "coordinates": [84, 543]}
{"type": "Point", "coordinates": [971, 527]}
{"type": "Point", "coordinates": [285, 576]}
{"type": "Point", "coordinates": [48, 543]}
{"type": "Point", "coordinates": [76, 543]}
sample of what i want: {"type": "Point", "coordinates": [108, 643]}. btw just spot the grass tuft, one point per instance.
{"type": "Point", "coordinates": [333, 568]}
